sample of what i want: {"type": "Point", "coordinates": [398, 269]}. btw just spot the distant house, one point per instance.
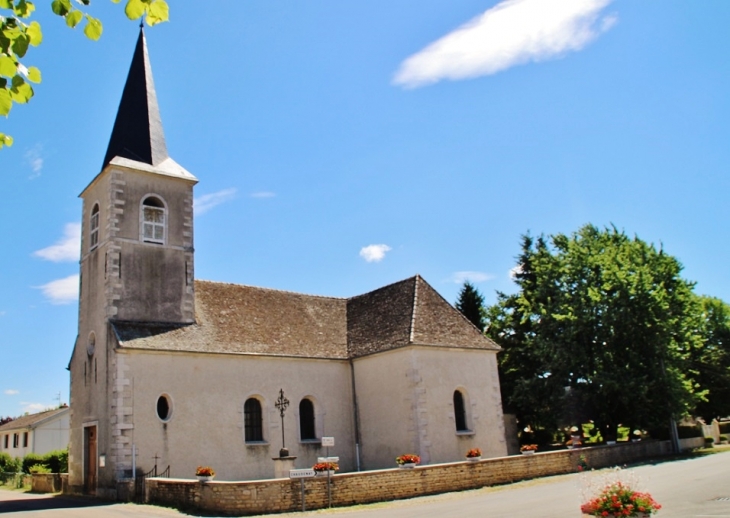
{"type": "Point", "coordinates": [36, 433]}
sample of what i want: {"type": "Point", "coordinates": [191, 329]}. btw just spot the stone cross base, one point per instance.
{"type": "Point", "coordinates": [282, 465]}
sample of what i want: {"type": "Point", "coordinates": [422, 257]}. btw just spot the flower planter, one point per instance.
{"type": "Point", "coordinates": [473, 459]}
{"type": "Point", "coordinates": [528, 452]}
{"type": "Point", "coordinates": [325, 473]}
{"type": "Point", "coordinates": [407, 465]}
{"type": "Point", "coordinates": [205, 478]}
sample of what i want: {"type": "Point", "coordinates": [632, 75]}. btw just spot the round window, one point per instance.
{"type": "Point", "coordinates": [164, 407]}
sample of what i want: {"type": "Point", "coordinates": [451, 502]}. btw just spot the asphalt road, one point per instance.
{"type": "Point", "coordinates": [690, 488]}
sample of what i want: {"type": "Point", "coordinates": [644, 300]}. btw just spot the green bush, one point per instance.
{"type": "Point", "coordinates": [709, 441]}
{"type": "Point", "coordinates": [39, 468]}
{"type": "Point", "coordinates": [56, 461]}
{"type": "Point", "coordinates": [9, 464]}
{"type": "Point", "coordinates": [723, 438]}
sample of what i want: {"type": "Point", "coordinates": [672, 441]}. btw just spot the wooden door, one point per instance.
{"type": "Point", "coordinates": [90, 460]}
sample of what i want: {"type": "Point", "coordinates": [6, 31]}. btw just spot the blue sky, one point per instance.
{"type": "Point", "coordinates": [342, 146]}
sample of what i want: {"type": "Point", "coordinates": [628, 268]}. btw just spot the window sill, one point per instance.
{"type": "Point", "coordinates": [310, 441]}
{"type": "Point", "coordinates": [465, 433]}
{"type": "Point", "coordinates": [257, 443]}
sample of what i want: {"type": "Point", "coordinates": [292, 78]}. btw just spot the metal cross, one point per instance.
{"type": "Point", "coordinates": [156, 459]}
{"type": "Point", "coordinates": [282, 404]}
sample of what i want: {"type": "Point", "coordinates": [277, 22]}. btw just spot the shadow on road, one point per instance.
{"type": "Point", "coordinates": [45, 503]}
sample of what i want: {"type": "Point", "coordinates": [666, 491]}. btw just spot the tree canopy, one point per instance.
{"type": "Point", "coordinates": [471, 304]}
{"type": "Point", "coordinates": [18, 32]}
{"type": "Point", "coordinates": [601, 328]}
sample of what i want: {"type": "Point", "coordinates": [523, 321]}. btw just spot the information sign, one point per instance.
{"type": "Point", "coordinates": [301, 473]}
{"type": "Point", "coordinates": [328, 441]}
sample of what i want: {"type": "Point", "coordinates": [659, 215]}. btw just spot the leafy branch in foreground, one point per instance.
{"type": "Point", "coordinates": [18, 33]}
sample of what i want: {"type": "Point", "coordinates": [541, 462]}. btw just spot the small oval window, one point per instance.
{"type": "Point", "coordinates": [164, 408]}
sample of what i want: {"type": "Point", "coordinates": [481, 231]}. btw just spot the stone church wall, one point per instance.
{"type": "Point", "coordinates": [284, 495]}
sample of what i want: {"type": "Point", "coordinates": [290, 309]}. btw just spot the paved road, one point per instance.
{"type": "Point", "coordinates": [692, 488]}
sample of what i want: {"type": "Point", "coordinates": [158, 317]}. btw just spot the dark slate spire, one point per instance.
{"type": "Point", "coordinates": [137, 133]}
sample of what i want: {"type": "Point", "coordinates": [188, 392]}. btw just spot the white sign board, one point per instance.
{"type": "Point", "coordinates": [328, 459]}
{"type": "Point", "coordinates": [328, 441]}
{"type": "Point", "coordinates": [301, 473]}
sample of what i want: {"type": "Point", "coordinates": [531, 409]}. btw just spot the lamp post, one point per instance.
{"type": "Point", "coordinates": [282, 404]}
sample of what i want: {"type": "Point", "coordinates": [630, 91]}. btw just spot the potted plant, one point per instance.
{"type": "Point", "coordinates": [709, 441]}
{"type": "Point", "coordinates": [528, 449]}
{"type": "Point", "coordinates": [474, 454]}
{"type": "Point", "coordinates": [325, 468]}
{"type": "Point", "coordinates": [619, 499]}
{"type": "Point", "coordinates": [408, 460]}
{"type": "Point", "coordinates": [204, 473]}
{"type": "Point", "coordinates": [723, 439]}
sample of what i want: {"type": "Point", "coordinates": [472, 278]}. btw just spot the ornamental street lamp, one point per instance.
{"type": "Point", "coordinates": [282, 404]}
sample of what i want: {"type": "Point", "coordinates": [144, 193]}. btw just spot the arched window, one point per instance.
{"type": "Point", "coordinates": [153, 220]}
{"type": "Point", "coordinates": [94, 227]}
{"type": "Point", "coordinates": [460, 412]}
{"type": "Point", "coordinates": [253, 421]}
{"type": "Point", "coordinates": [306, 420]}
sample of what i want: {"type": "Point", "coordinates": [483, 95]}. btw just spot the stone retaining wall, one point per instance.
{"type": "Point", "coordinates": [283, 495]}
{"type": "Point", "coordinates": [45, 483]}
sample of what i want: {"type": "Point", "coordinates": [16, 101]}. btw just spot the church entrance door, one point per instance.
{"type": "Point", "coordinates": [90, 461]}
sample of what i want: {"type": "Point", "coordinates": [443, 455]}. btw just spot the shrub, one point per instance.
{"type": "Point", "coordinates": [39, 468]}
{"type": "Point", "coordinates": [9, 464]}
{"type": "Point", "coordinates": [31, 459]}
{"type": "Point", "coordinates": [56, 461]}
{"type": "Point", "coordinates": [723, 438]}
{"type": "Point", "coordinates": [709, 441]}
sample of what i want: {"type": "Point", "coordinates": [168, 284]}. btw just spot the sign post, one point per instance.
{"type": "Point", "coordinates": [301, 474]}
{"type": "Point", "coordinates": [327, 442]}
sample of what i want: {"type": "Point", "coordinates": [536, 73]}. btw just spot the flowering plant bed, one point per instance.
{"type": "Point", "coordinates": [408, 458]}
{"type": "Point", "coordinates": [204, 471]}
{"type": "Point", "coordinates": [618, 499]}
{"type": "Point", "coordinates": [474, 452]}
{"type": "Point", "coordinates": [528, 447]}
{"type": "Point", "coordinates": [326, 466]}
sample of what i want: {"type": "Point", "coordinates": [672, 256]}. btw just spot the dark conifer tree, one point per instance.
{"type": "Point", "coordinates": [471, 304]}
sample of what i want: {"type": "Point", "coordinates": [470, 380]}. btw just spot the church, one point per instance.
{"type": "Point", "coordinates": [169, 370]}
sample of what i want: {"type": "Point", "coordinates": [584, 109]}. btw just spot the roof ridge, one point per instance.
{"type": "Point", "coordinates": [272, 289]}
{"type": "Point", "coordinates": [413, 277]}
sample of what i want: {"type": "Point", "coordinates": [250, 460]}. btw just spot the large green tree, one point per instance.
{"type": "Point", "coordinates": [19, 32]}
{"type": "Point", "coordinates": [471, 304]}
{"type": "Point", "coordinates": [602, 326]}
{"type": "Point", "coordinates": [710, 359]}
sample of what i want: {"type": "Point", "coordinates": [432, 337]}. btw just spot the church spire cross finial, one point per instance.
{"type": "Point", "coordinates": [137, 133]}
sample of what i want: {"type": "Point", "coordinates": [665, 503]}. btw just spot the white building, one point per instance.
{"type": "Point", "coordinates": [186, 372]}
{"type": "Point", "coordinates": [36, 433]}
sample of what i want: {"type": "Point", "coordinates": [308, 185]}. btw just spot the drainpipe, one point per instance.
{"type": "Point", "coordinates": [356, 415]}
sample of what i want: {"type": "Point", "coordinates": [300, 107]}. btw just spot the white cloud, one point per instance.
{"type": "Point", "coordinates": [66, 249]}
{"type": "Point", "coordinates": [461, 277]}
{"type": "Point", "coordinates": [204, 203]}
{"type": "Point", "coordinates": [511, 33]}
{"type": "Point", "coordinates": [514, 271]}
{"type": "Point", "coordinates": [374, 253]}
{"type": "Point", "coordinates": [34, 408]}
{"type": "Point", "coordinates": [11, 392]}
{"type": "Point", "coordinates": [263, 194]}
{"type": "Point", "coordinates": [62, 291]}
{"type": "Point", "coordinates": [34, 160]}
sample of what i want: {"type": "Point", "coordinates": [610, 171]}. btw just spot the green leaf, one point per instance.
{"type": "Point", "coordinates": [6, 102]}
{"type": "Point", "coordinates": [16, 81]}
{"type": "Point", "coordinates": [61, 7]}
{"type": "Point", "coordinates": [158, 12]}
{"type": "Point", "coordinates": [23, 8]}
{"type": "Point", "coordinates": [8, 67]}
{"type": "Point", "coordinates": [73, 18]}
{"type": "Point", "coordinates": [134, 9]}
{"type": "Point", "coordinates": [22, 93]}
{"type": "Point", "coordinates": [34, 33]}
{"type": "Point", "coordinates": [20, 45]}
{"type": "Point", "coordinates": [93, 28]}
{"type": "Point", "coordinates": [5, 140]}
{"type": "Point", "coordinates": [5, 4]}
{"type": "Point", "coordinates": [3, 82]}
{"type": "Point", "coordinates": [34, 75]}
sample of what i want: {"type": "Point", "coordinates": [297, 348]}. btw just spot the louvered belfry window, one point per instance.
{"type": "Point", "coordinates": [153, 220]}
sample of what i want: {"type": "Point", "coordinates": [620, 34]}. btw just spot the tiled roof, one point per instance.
{"type": "Point", "coordinates": [29, 421]}
{"type": "Point", "coordinates": [237, 319]}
